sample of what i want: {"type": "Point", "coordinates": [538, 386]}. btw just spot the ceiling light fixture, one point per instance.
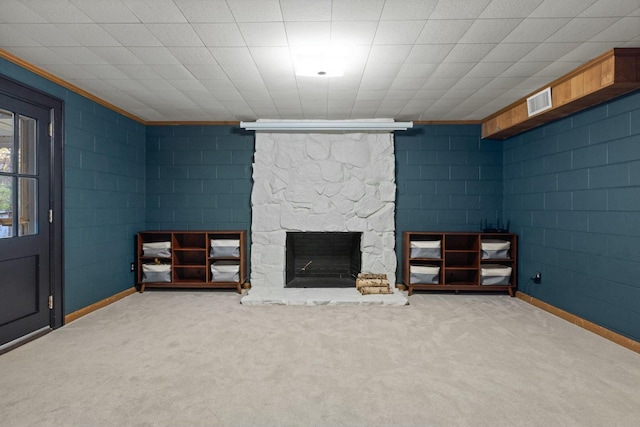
{"type": "Point", "coordinates": [325, 126]}
{"type": "Point", "coordinates": [320, 61]}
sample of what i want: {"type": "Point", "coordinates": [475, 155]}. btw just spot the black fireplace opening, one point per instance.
{"type": "Point", "coordinates": [322, 259]}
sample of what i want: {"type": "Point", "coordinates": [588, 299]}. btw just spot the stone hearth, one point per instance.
{"type": "Point", "coordinates": [319, 182]}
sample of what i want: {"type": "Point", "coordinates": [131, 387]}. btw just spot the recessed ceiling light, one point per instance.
{"type": "Point", "coordinates": [320, 61]}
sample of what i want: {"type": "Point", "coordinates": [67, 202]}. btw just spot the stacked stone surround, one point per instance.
{"type": "Point", "coordinates": [322, 182]}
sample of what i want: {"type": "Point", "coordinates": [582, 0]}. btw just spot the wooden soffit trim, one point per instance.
{"type": "Point", "coordinates": [610, 75]}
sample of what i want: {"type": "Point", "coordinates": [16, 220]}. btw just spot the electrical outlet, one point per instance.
{"type": "Point", "coordinates": [133, 266]}
{"type": "Point", "coordinates": [537, 278]}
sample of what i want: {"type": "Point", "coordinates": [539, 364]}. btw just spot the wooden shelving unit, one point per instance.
{"type": "Point", "coordinates": [459, 260]}
{"type": "Point", "coordinates": [191, 259]}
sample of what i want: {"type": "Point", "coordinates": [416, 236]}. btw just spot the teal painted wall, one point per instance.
{"type": "Point", "coordinates": [104, 192]}
{"type": "Point", "coordinates": [572, 192]}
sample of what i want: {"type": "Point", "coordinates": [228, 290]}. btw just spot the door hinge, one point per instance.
{"type": "Point", "coordinates": [50, 216]}
{"type": "Point", "coordinates": [50, 129]}
{"type": "Point", "coordinates": [50, 302]}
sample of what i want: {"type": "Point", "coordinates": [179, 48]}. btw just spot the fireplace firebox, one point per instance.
{"type": "Point", "coordinates": [322, 259]}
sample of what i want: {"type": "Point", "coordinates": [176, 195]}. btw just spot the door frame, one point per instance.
{"type": "Point", "coordinates": [17, 90]}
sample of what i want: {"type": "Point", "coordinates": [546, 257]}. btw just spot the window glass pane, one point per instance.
{"type": "Point", "coordinates": [27, 145]}
{"type": "Point", "coordinates": [6, 141]}
{"type": "Point", "coordinates": [6, 206]}
{"type": "Point", "coordinates": [27, 206]}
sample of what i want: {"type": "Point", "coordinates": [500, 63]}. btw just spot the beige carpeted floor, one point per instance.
{"type": "Point", "coordinates": [202, 359]}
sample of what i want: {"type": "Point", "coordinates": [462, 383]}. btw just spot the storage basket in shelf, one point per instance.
{"type": "Point", "coordinates": [495, 249]}
{"type": "Point", "coordinates": [425, 248]}
{"type": "Point", "coordinates": [225, 271]}
{"type": "Point", "coordinates": [495, 274]}
{"type": "Point", "coordinates": [221, 248]}
{"type": "Point", "coordinates": [156, 273]}
{"type": "Point", "coordinates": [156, 249]}
{"type": "Point", "coordinates": [429, 274]}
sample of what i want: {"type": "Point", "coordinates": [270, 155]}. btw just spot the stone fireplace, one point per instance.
{"type": "Point", "coordinates": [321, 182]}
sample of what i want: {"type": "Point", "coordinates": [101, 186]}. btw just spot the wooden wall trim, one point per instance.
{"type": "Point", "coordinates": [98, 305]}
{"type": "Point", "coordinates": [579, 321]}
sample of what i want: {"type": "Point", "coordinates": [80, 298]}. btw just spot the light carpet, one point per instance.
{"type": "Point", "coordinates": [203, 359]}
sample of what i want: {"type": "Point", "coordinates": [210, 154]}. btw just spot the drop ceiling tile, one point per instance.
{"type": "Point", "coordinates": [556, 69]}
{"type": "Point", "coordinates": [452, 69]}
{"type": "Point", "coordinates": [251, 86]}
{"type": "Point", "coordinates": [154, 55]}
{"type": "Point", "coordinates": [172, 71]}
{"type": "Point", "coordinates": [535, 30]}
{"type": "Point", "coordinates": [124, 84]}
{"type": "Point", "coordinates": [416, 71]}
{"type": "Point", "coordinates": [206, 71]}
{"type": "Point", "coordinates": [407, 84]}
{"type": "Point", "coordinates": [579, 29]}
{"type": "Point", "coordinates": [138, 71]}
{"type": "Point", "coordinates": [549, 52]}
{"type": "Point", "coordinates": [40, 55]}
{"type": "Point", "coordinates": [489, 30]}
{"type": "Point", "coordinates": [395, 54]}
{"type": "Point", "coordinates": [386, 71]}
{"type": "Point", "coordinates": [407, 9]}
{"type": "Point", "coordinates": [488, 69]}
{"type": "Point", "coordinates": [17, 11]}
{"type": "Point", "coordinates": [79, 55]}
{"type": "Point", "coordinates": [308, 33]}
{"type": "Point", "coordinates": [132, 34]}
{"type": "Point", "coordinates": [239, 56]}
{"type": "Point", "coordinates": [622, 30]}
{"type": "Point", "coordinates": [89, 34]}
{"type": "Point", "coordinates": [350, 33]}
{"type": "Point", "coordinates": [612, 8]}
{"type": "Point", "coordinates": [471, 83]}
{"type": "Point", "coordinates": [525, 68]}
{"type": "Point", "coordinates": [69, 71]}
{"type": "Point", "coordinates": [587, 51]}
{"type": "Point", "coordinates": [398, 32]}
{"type": "Point", "coordinates": [160, 11]}
{"type": "Point", "coordinates": [177, 35]}
{"type": "Point", "coordinates": [101, 11]}
{"type": "Point", "coordinates": [47, 34]}
{"type": "Point", "coordinates": [502, 83]}
{"type": "Point", "coordinates": [205, 11]}
{"type": "Point", "coordinates": [509, 52]}
{"type": "Point", "coordinates": [469, 52]}
{"type": "Point", "coordinates": [217, 86]}
{"type": "Point", "coordinates": [94, 86]}
{"type": "Point", "coordinates": [442, 31]}
{"type": "Point", "coordinates": [256, 10]}
{"type": "Point", "coordinates": [272, 60]}
{"type": "Point", "coordinates": [264, 33]}
{"type": "Point", "coordinates": [375, 83]}
{"type": "Point", "coordinates": [61, 11]}
{"type": "Point", "coordinates": [510, 8]}
{"type": "Point", "coordinates": [193, 55]}
{"type": "Point", "coordinates": [116, 55]}
{"type": "Point", "coordinates": [306, 10]}
{"type": "Point", "coordinates": [428, 94]}
{"type": "Point", "coordinates": [371, 95]}
{"type": "Point", "coordinates": [105, 71]}
{"type": "Point", "coordinates": [356, 10]}
{"type": "Point", "coordinates": [400, 93]}
{"type": "Point", "coordinates": [459, 9]}
{"type": "Point", "coordinates": [560, 9]}
{"type": "Point", "coordinates": [187, 85]}
{"type": "Point", "coordinates": [219, 34]}
{"type": "Point", "coordinates": [10, 36]}
{"type": "Point", "coordinates": [241, 72]}
{"type": "Point", "coordinates": [278, 83]}
{"type": "Point", "coordinates": [439, 83]}
{"type": "Point", "coordinates": [424, 54]}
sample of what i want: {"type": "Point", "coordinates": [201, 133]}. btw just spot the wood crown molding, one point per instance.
{"type": "Point", "coordinates": [605, 77]}
{"type": "Point", "coordinates": [585, 324]}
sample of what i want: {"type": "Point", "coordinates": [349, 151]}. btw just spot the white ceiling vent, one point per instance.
{"type": "Point", "coordinates": [539, 102]}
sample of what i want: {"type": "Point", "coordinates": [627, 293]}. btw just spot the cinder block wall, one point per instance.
{"type": "Point", "coordinates": [448, 179]}
{"type": "Point", "coordinates": [572, 192]}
